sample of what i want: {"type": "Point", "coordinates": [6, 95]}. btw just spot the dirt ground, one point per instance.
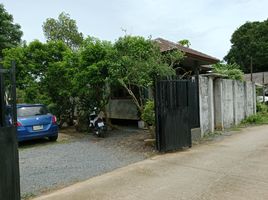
{"type": "Point", "coordinates": [128, 138]}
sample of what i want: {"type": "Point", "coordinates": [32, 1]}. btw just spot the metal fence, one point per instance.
{"type": "Point", "coordinates": [177, 111]}
{"type": "Point", "coordinates": [9, 165]}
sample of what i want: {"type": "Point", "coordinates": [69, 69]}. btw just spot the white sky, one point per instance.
{"type": "Point", "coordinates": [208, 24]}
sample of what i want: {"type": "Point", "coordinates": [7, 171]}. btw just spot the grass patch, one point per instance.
{"type": "Point", "coordinates": [28, 196]}
{"type": "Point", "coordinates": [258, 119]}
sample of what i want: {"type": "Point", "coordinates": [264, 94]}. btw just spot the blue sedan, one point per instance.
{"type": "Point", "coordinates": [34, 121]}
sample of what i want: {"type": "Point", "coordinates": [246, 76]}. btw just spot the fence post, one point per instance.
{"type": "Point", "coordinates": [218, 104]}
{"type": "Point", "coordinates": [2, 101]}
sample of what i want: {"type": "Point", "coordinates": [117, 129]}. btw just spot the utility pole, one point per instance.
{"type": "Point", "coordinates": [251, 69]}
{"type": "Point", "coordinates": [263, 88]}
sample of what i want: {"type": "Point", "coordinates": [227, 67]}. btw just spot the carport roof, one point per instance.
{"type": "Point", "coordinates": [166, 45]}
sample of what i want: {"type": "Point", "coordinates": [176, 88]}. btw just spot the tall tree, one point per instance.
{"type": "Point", "coordinates": [63, 29]}
{"type": "Point", "coordinates": [10, 33]}
{"type": "Point", "coordinates": [44, 73]}
{"type": "Point", "coordinates": [138, 61]}
{"type": "Point", "coordinates": [92, 77]}
{"type": "Point", "coordinates": [250, 41]}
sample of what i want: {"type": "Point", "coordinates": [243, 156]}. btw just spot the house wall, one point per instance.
{"type": "Point", "coordinates": [260, 77]}
{"type": "Point", "coordinates": [122, 109]}
{"type": "Point", "coordinates": [224, 103]}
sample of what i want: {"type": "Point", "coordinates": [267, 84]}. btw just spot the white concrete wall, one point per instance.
{"type": "Point", "coordinates": [239, 101]}
{"type": "Point", "coordinates": [224, 103]}
{"type": "Point", "coordinates": [204, 104]}
{"type": "Point", "coordinates": [228, 103]}
{"type": "Point", "coordinates": [122, 109]}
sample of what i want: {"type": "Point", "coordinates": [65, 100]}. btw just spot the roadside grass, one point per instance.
{"type": "Point", "coordinates": [28, 196]}
{"type": "Point", "coordinates": [260, 118]}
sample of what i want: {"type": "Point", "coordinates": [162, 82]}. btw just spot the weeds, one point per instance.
{"type": "Point", "coordinates": [260, 118]}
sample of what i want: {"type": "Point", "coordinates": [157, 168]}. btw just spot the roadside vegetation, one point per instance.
{"type": "Point", "coordinates": [261, 117]}
{"type": "Point", "coordinates": [231, 71]}
{"type": "Point", "coordinates": [72, 72]}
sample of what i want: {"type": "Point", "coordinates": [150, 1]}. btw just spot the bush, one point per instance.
{"type": "Point", "coordinates": [148, 114]}
{"type": "Point", "coordinates": [262, 108]}
{"type": "Point", "coordinates": [232, 71]}
{"type": "Point", "coordinates": [260, 118]}
{"type": "Point", "coordinates": [253, 119]}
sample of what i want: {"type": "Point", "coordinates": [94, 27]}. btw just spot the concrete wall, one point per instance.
{"type": "Point", "coordinates": [204, 104]}
{"type": "Point", "coordinates": [122, 109]}
{"type": "Point", "coordinates": [228, 103]}
{"type": "Point", "coordinates": [224, 102]}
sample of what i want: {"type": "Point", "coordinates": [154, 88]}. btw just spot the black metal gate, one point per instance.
{"type": "Point", "coordinates": [177, 112]}
{"type": "Point", "coordinates": [9, 164]}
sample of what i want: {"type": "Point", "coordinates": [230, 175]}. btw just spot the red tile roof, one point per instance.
{"type": "Point", "coordinates": [166, 45]}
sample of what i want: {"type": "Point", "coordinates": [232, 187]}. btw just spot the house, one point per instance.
{"type": "Point", "coordinates": [261, 80]}
{"type": "Point", "coordinates": [121, 105]}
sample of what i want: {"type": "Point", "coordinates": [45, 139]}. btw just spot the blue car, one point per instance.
{"type": "Point", "coordinates": [34, 121]}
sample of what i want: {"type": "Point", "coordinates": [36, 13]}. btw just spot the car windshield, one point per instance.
{"type": "Point", "coordinates": [28, 111]}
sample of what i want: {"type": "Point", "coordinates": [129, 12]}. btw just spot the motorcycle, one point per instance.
{"type": "Point", "coordinates": [96, 123]}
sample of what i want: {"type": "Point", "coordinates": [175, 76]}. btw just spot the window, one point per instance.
{"type": "Point", "coordinates": [28, 111]}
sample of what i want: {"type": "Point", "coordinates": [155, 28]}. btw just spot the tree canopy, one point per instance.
{"type": "Point", "coordinates": [44, 73]}
{"type": "Point", "coordinates": [10, 33]}
{"type": "Point", "coordinates": [137, 62]}
{"type": "Point", "coordinates": [250, 41]}
{"type": "Point", "coordinates": [92, 78]}
{"type": "Point", "coordinates": [184, 42]}
{"type": "Point", "coordinates": [63, 29]}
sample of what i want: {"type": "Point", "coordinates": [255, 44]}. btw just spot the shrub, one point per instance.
{"type": "Point", "coordinates": [262, 108]}
{"type": "Point", "coordinates": [148, 114]}
{"type": "Point", "coordinates": [253, 119]}
{"type": "Point", "coordinates": [232, 71]}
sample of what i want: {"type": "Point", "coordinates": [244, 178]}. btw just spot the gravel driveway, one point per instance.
{"type": "Point", "coordinates": [46, 166]}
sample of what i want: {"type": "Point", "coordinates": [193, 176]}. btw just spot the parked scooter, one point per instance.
{"type": "Point", "coordinates": [96, 123]}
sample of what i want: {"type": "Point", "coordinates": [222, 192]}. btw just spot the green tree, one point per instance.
{"type": "Point", "coordinates": [250, 41]}
{"type": "Point", "coordinates": [185, 43]}
{"type": "Point", "coordinates": [92, 79]}
{"type": "Point", "coordinates": [45, 73]}
{"type": "Point", "coordinates": [10, 33]}
{"type": "Point", "coordinates": [63, 29]}
{"type": "Point", "coordinates": [137, 62]}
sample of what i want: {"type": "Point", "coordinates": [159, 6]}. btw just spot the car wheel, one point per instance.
{"type": "Point", "coordinates": [53, 138]}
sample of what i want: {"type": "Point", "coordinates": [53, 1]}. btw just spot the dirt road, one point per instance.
{"type": "Point", "coordinates": [233, 168]}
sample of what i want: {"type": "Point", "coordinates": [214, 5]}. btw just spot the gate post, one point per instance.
{"type": "Point", "coordinates": [9, 165]}
{"type": "Point", "coordinates": [2, 101]}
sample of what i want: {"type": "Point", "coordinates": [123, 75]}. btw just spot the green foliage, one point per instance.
{"type": "Point", "coordinates": [137, 62]}
{"type": "Point", "coordinates": [260, 118]}
{"type": "Point", "coordinates": [232, 71]}
{"type": "Point", "coordinates": [172, 58]}
{"type": "Point", "coordinates": [53, 74]}
{"type": "Point", "coordinates": [259, 91]}
{"type": "Point", "coordinates": [10, 33]}
{"type": "Point", "coordinates": [185, 43]}
{"type": "Point", "coordinates": [250, 40]}
{"type": "Point", "coordinates": [63, 29]}
{"type": "Point", "coordinates": [262, 108]}
{"type": "Point", "coordinates": [92, 78]}
{"type": "Point", "coordinates": [148, 114]}
{"type": "Point", "coordinates": [44, 73]}
{"type": "Point", "coordinates": [256, 119]}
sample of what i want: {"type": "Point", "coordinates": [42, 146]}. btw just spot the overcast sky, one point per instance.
{"type": "Point", "coordinates": [208, 24]}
